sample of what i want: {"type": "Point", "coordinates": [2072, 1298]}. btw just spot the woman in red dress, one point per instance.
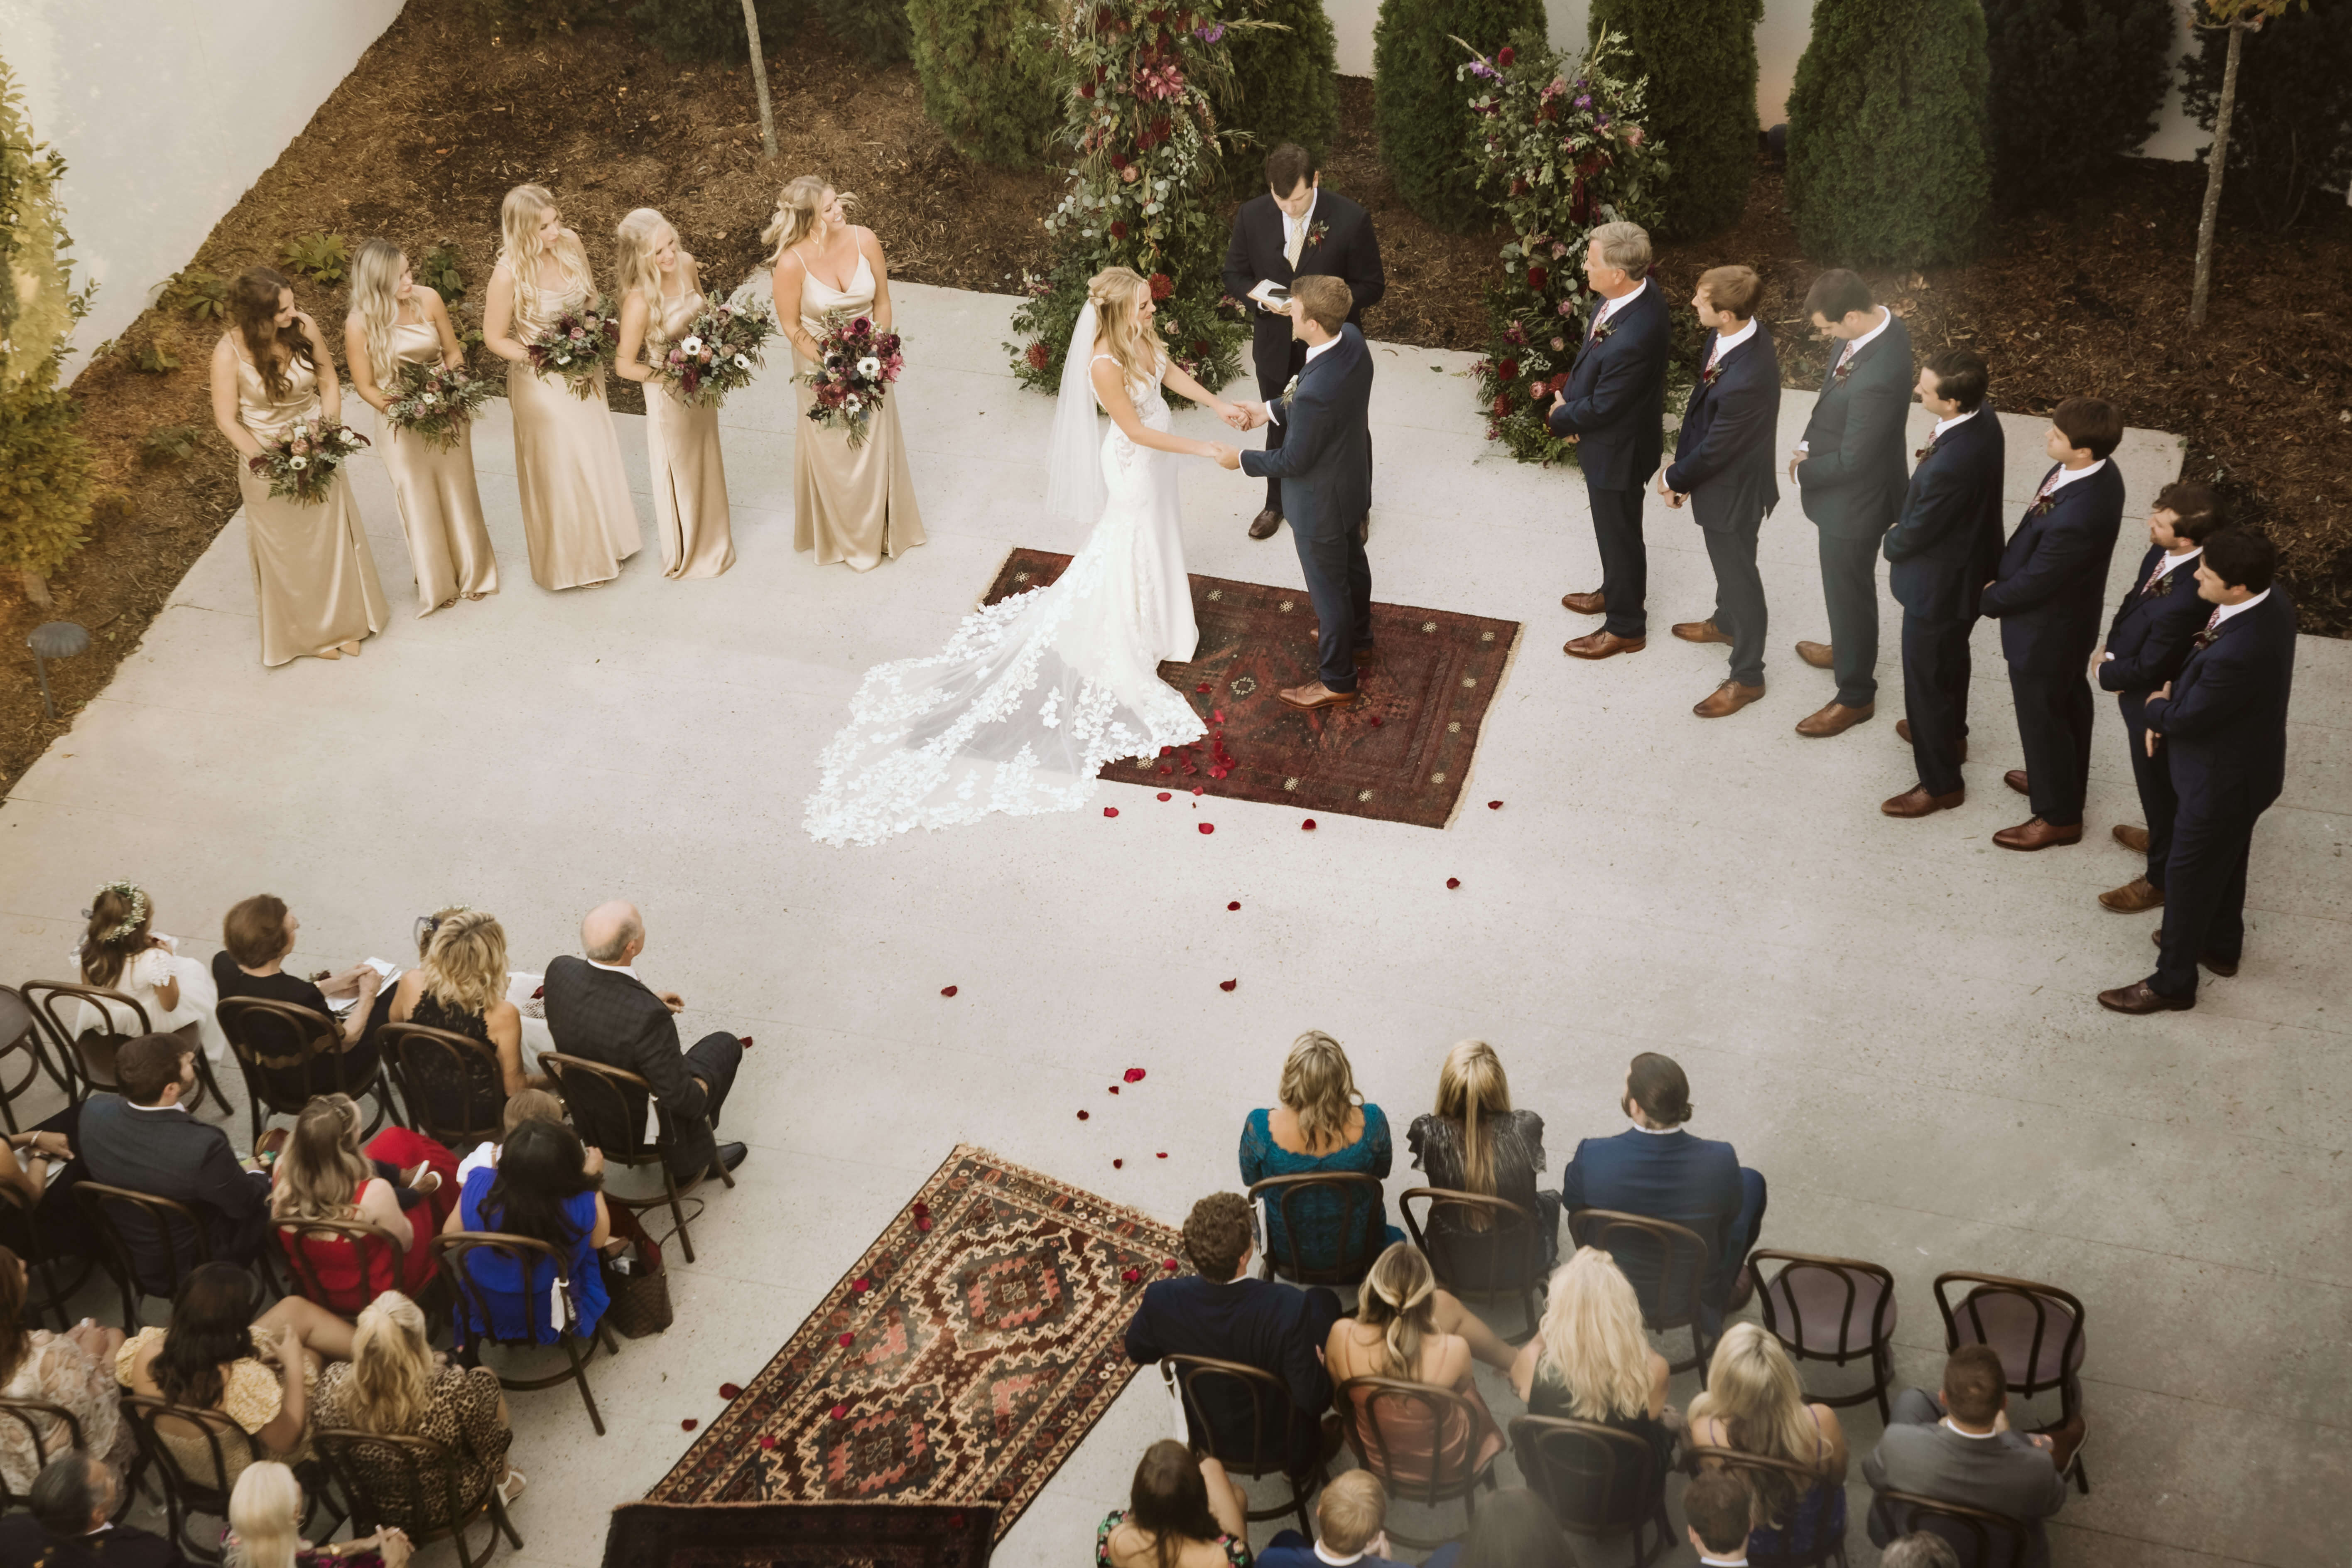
{"type": "Point", "coordinates": [403, 1185]}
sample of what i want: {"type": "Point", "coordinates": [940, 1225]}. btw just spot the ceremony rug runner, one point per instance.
{"type": "Point", "coordinates": [960, 1361]}
{"type": "Point", "coordinates": [799, 1535]}
{"type": "Point", "coordinates": [1400, 752]}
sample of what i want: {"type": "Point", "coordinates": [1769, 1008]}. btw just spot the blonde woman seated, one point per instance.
{"type": "Point", "coordinates": [1591, 1361]}
{"type": "Point", "coordinates": [1319, 1124]}
{"type": "Point", "coordinates": [394, 1385]}
{"type": "Point", "coordinates": [265, 1523]}
{"type": "Point", "coordinates": [1754, 1402]}
{"type": "Point", "coordinates": [325, 1174]}
{"type": "Point", "coordinates": [1181, 1512]}
{"type": "Point", "coordinates": [459, 985]}
{"type": "Point", "coordinates": [1475, 1142]}
{"type": "Point", "coordinates": [1406, 1328]}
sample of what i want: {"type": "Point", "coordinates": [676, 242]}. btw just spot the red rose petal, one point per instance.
{"type": "Point", "coordinates": [1169, 1264]}
{"type": "Point", "coordinates": [1166, 771]}
{"type": "Point", "coordinates": [1376, 721]}
{"type": "Point", "coordinates": [1452, 881]}
{"type": "Point", "coordinates": [1163, 794]}
{"type": "Point", "coordinates": [1208, 827]}
{"type": "Point", "coordinates": [839, 1411]}
{"type": "Point", "coordinates": [1217, 716]}
{"type": "Point", "coordinates": [1162, 1154]}
{"type": "Point", "coordinates": [1203, 688]}
{"type": "Point", "coordinates": [947, 990]}
{"type": "Point", "coordinates": [538, 992]}
{"type": "Point", "coordinates": [730, 1390]}
{"type": "Point", "coordinates": [767, 1440]}
{"type": "Point", "coordinates": [1114, 1088]}
{"type": "Point", "coordinates": [923, 1222]}
{"type": "Point", "coordinates": [848, 1340]}
{"type": "Point", "coordinates": [1134, 1075]}
{"type": "Point", "coordinates": [1227, 984]}
{"type": "Point", "coordinates": [922, 1208]}
{"type": "Point", "coordinates": [1082, 1115]}
{"type": "Point", "coordinates": [1216, 773]}
{"type": "Point", "coordinates": [1117, 1164]}
{"type": "Point", "coordinates": [1307, 826]}
{"type": "Point", "coordinates": [1110, 810]}
{"type": "Point", "coordinates": [1198, 789]}
{"type": "Point", "coordinates": [1165, 750]}
{"type": "Point", "coordinates": [746, 1039]}
{"type": "Point", "coordinates": [1234, 905]}
{"type": "Point", "coordinates": [1130, 1275]}
{"type": "Point", "coordinates": [688, 1425]}
{"type": "Point", "coordinates": [1494, 806]}
{"type": "Point", "coordinates": [859, 1286]}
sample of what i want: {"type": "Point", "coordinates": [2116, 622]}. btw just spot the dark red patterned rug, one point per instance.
{"type": "Point", "coordinates": [799, 1535]}
{"type": "Point", "coordinates": [1401, 753]}
{"type": "Point", "coordinates": [961, 1360]}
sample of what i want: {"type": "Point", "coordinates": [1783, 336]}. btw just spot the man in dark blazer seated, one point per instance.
{"type": "Point", "coordinates": [2222, 722]}
{"type": "Point", "coordinates": [143, 1139]}
{"type": "Point", "coordinates": [1849, 471]}
{"type": "Point", "coordinates": [2147, 644]}
{"type": "Point", "coordinates": [72, 1501]}
{"type": "Point", "coordinates": [1222, 1313]}
{"type": "Point", "coordinates": [1656, 1169]}
{"type": "Point", "coordinates": [1325, 470]}
{"type": "Point", "coordinates": [598, 1009]}
{"type": "Point", "coordinates": [1296, 227]}
{"type": "Point", "coordinates": [1614, 408]}
{"type": "Point", "coordinates": [1955, 1447]}
{"type": "Point", "coordinates": [1723, 467]}
{"type": "Point", "coordinates": [1940, 552]}
{"type": "Point", "coordinates": [2047, 594]}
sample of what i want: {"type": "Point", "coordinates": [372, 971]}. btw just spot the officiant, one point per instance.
{"type": "Point", "coordinates": [1295, 227]}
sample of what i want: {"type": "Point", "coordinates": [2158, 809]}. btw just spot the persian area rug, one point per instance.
{"type": "Point", "coordinates": [960, 1361]}
{"type": "Point", "coordinates": [1401, 753]}
{"type": "Point", "coordinates": [799, 1535]}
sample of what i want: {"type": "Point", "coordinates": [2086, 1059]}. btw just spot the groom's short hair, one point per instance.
{"type": "Point", "coordinates": [1327, 298]}
{"type": "Point", "coordinates": [1286, 167]}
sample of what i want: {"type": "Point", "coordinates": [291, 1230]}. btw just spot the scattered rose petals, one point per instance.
{"type": "Point", "coordinates": [730, 1390]}
{"type": "Point", "coordinates": [1234, 905]}
{"type": "Point", "coordinates": [1494, 806]}
{"type": "Point", "coordinates": [1208, 827]}
{"type": "Point", "coordinates": [1169, 1264]}
{"type": "Point", "coordinates": [1216, 773]}
{"type": "Point", "coordinates": [1452, 881]}
{"type": "Point", "coordinates": [1203, 688]}
{"type": "Point", "coordinates": [1110, 810]}
{"type": "Point", "coordinates": [1114, 1088]}
{"type": "Point", "coordinates": [922, 1209]}
{"type": "Point", "coordinates": [1130, 1275]}
{"type": "Point", "coordinates": [1163, 794]}
{"type": "Point", "coordinates": [860, 1286]}
{"type": "Point", "coordinates": [688, 1425]}
{"type": "Point", "coordinates": [1227, 984]}
{"type": "Point", "coordinates": [767, 1439]}
{"type": "Point", "coordinates": [1117, 1164]}
{"type": "Point", "coordinates": [1217, 716]}
{"type": "Point", "coordinates": [1198, 789]}
{"type": "Point", "coordinates": [839, 1411]}
{"type": "Point", "coordinates": [923, 1222]}
{"type": "Point", "coordinates": [1133, 1075]}
{"type": "Point", "coordinates": [947, 990]}
{"type": "Point", "coordinates": [848, 1340]}
{"type": "Point", "coordinates": [1082, 1115]}
{"type": "Point", "coordinates": [1307, 826]}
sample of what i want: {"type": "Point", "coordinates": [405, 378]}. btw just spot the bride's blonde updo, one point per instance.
{"type": "Point", "coordinates": [375, 297]}
{"type": "Point", "coordinates": [800, 212]}
{"type": "Point", "coordinates": [1114, 292]}
{"type": "Point", "coordinates": [638, 236]}
{"type": "Point", "coordinates": [518, 219]}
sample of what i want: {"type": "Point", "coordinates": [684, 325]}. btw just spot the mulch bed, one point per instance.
{"type": "Point", "coordinates": [419, 142]}
{"type": "Point", "coordinates": [1401, 753]}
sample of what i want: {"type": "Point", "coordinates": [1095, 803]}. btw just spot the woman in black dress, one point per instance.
{"type": "Point", "coordinates": [1475, 1142]}
{"type": "Point", "coordinates": [256, 935]}
{"type": "Point", "coordinates": [461, 986]}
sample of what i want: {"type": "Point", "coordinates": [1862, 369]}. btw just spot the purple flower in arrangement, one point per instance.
{"type": "Point", "coordinates": [1585, 100]}
{"type": "Point", "coordinates": [1480, 69]}
{"type": "Point", "coordinates": [1209, 33]}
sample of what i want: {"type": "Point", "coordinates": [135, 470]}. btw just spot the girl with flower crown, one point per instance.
{"type": "Point", "coordinates": [121, 950]}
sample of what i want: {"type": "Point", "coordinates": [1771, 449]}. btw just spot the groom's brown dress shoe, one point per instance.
{"type": "Point", "coordinates": [1315, 695]}
{"type": "Point", "coordinates": [1834, 720]}
{"type": "Point", "coordinates": [2135, 897]}
{"type": "Point", "coordinates": [1729, 699]}
{"type": "Point", "coordinates": [2136, 998]}
{"type": "Point", "coordinates": [2132, 838]}
{"type": "Point", "coordinates": [2222, 967]}
{"type": "Point", "coordinates": [1917, 802]}
{"type": "Point", "coordinates": [2015, 779]}
{"type": "Point", "coordinates": [1817, 653]}
{"type": "Point", "coordinates": [1903, 733]}
{"type": "Point", "coordinates": [2035, 834]}
{"type": "Point", "coordinates": [1701, 631]}
{"type": "Point", "coordinates": [1603, 645]}
{"type": "Point", "coordinates": [1591, 604]}
{"type": "Point", "coordinates": [1263, 525]}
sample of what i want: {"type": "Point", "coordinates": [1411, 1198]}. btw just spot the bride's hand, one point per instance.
{"type": "Point", "coordinates": [1227, 456]}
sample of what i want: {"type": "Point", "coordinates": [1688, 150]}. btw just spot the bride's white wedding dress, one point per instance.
{"type": "Point", "coordinates": [1033, 695]}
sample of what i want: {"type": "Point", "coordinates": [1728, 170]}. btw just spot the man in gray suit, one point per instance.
{"type": "Point", "coordinates": [1959, 1447]}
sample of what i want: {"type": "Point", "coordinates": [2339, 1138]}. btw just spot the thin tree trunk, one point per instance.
{"type": "Point", "coordinates": [768, 115]}
{"type": "Point", "coordinates": [2218, 160]}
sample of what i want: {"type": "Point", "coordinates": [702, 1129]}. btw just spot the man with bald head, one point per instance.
{"type": "Point", "coordinates": [598, 1009]}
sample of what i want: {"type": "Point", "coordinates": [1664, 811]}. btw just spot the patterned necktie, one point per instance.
{"type": "Point", "coordinates": [1296, 244]}
{"type": "Point", "coordinates": [2163, 564]}
{"type": "Point", "coordinates": [2048, 485]}
{"type": "Point", "coordinates": [2214, 622]}
{"type": "Point", "coordinates": [1713, 354]}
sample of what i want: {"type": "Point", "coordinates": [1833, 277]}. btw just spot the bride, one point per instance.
{"type": "Point", "coordinates": [1034, 695]}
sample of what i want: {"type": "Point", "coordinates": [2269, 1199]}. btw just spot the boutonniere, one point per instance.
{"type": "Point", "coordinates": [1844, 369]}
{"type": "Point", "coordinates": [1710, 376]}
{"type": "Point", "coordinates": [1926, 452]}
{"type": "Point", "coordinates": [2041, 506]}
{"type": "Point", "coordinates": [1600, 331]}
{"type": "Point", "coordinates": [1289, 389]}
{"type": "Point", "coordinates": [2203, 640]}
{"type": "Point", "coordinates": [2160, 587]}
{"type": "Point", "coordinates": [1317, 233]}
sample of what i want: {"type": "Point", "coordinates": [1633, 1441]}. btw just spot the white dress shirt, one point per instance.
{"type": "Point", "coordinates": [1724, 345]}
{"type": "Point", "coordinates": [2223, 611]}
{"type": "Point", "coordinates": [1944, 424]}
{"type": "Point", "coordinates": [2065, 475]}
{"type": "Point", "coordinates": [1610, 307]}
{"type": "Point", "coordinates": [1271, 404]}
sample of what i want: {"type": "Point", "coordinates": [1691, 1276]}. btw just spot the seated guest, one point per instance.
{"type": "Point", "coordinates": [1754, 1404]}
{"type": "Point", "coordinates": [1920, 1549]}
{"type": "Point", "coordinates": [598, 1009]}
{"type": "Point", "coordinates": [74, 1370]}
{"type": "Point", "coordinates": [324, 1174]}
{"type": "Point", "coordinates": [1180, 1513]}
{"type": "Point", "coordinates": [122, 951]}
{"type": "Point", "coordinates": [1716, 1511]}
{"type": "Point", "coordinates": [40, 1168]}
{"type": "Point", "coordinates": [460, 986]}
{"type": "Point", "coordinates": [1398, 1332]}
{"type": "Point", "coordinates": [1222, 1313]}
{"type": "Point", "coordinates": [540, 1188]}
{"type": "Point", "coordinates": [143, 1139]}
{"type": "Point", "coordinates": [1956, 1447]}
{"type": "Point", "coordinates": [71, 1524]}
{"type": "Point", "coordinates": [265, 1522]}
{"type": "Point", "coordinates": [1475, 1142]}
{"type": "Point", "coordinates": [256, 935]}
{"type": "Point", "coordinates": [1657, 1170]}
{"type": "Point", "coordinates": [1512, 1529]}
{"type": "Point", "coordinates": [1319, 1124]}
{"type": "Point", "coordinates": [1348, 1518]}
{"type": "Point", "coordinates": [1591, 1361]}
{"type": "Point", "coordinates": [396, 1384]}
{"type": "Point", "coordinates": [219, 1355]}
{"type": "Point", "coordinates": [530, 1105]}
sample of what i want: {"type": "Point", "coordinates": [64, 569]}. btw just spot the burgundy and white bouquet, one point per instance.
{"type": "Point", "coordinates": [722, 346]}
{"type": "Point", "coordinates": [577, 345]}
{"type": "Point", "coordinates": [855, 365]}
{"type": "Point", "coordinates": [301, 464]}
{"type": "Point", "coordinates": [435, 403]}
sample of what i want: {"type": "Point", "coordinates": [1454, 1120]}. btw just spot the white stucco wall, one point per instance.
{"type": "Point", "coordinates": [167, 110]}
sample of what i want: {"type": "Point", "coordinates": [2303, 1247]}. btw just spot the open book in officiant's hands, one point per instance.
{"type": "Point", "coordinates": [1270, 295]}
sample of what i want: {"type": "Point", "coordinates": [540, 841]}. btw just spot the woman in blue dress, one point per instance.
{"type": "Point", "coordinates": [1320, 1126]}
{"type": "Point", "coordinates": [541, 1188]}
{"type": "Point", "coordinates": [1754, 1404]}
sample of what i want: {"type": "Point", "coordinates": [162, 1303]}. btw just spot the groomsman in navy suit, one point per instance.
{"type": "Point", "coordinates": [2222, 724]}
{"type": "Point", "coordinates": [2147, 642]}
{"type": "Point", "coordinates": [1723, 467]}
{"type": "Point", "coordinates": [2047, 595]}
{"type": "Point", "coordinates": [1849, 471]}
{"type": "Point", "coordinates": [1940, 553]}
{"type": "Point", "coordinates": [1614, 409]}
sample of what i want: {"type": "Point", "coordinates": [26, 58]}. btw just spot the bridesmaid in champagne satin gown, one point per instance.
{"type": "Point", "coordinates": [659, 299]}
{"type": "Point", "coordinates": [849, 504]}
{"type": "Point", "coordinates": [314, 580]}
{"type": "Point", "coordinates": [440, 504]}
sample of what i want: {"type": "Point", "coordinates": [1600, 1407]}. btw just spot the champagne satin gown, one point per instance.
{"type": "Point", "coordinates": [690, 478]}
{"type": "Point", "coordinates": [314, 581]}
{"type": "Point", "coordinates": [440, 506]}
{"type": "Point", "coordinates": [855, 505]}
{"type": "Point", "coordinates": [578, 517]}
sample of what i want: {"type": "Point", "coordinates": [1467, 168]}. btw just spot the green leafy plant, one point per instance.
{"type": "Point", "coordinates": [154, 359]}
{"type": "Point", "coordinates": [200, 296]}
{"type": "Point", "coordinates": [318, 256]}
{"type": "Point", "coordinates": [1887, 163]}
{"type": "Point", "coordinates": [439, 271]}
{"type": "Point", "coordinates": [1285, 87]}
{"type": "Point", "coordinates": [711, 29]}
{"type": "Point", "coordinates": [168, 444]}
{"type": "Point", "coordinates": [989, 75]}
{"type": "Point", "coordinates": [1697, 59]}
{"type": "Point", "coordinates": [2076, 86]}
{"type": "Point", "coordinates": [876, 29]}
{"type": "Point", "coordinates": [2291, 133]}
{"type": "Point", "coordinates": [1420, 107]}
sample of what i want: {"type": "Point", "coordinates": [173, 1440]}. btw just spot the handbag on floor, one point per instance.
{"type": "Point", "coordinates": [635, 1280]}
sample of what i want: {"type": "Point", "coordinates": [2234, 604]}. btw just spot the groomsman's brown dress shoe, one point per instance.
{"type": "Point", "coordinates": [1366, 653]}
{"type": "Point", "coordinates": [2136, 998]}
{"type": "Point", "coordinates": [2132, 838]}
{"type": "Point", "coordinates": [1834, 720]}
{"type": "Point", "coordinates": [1701, 631]}
{"type": "Point", "coordinates": [1263, 525]}
{"type": "Point", "coordinates": [2015, 779]}
{"type": "Point", "coordinates": [1729, 697]}
{"type": "Point", "coordinates": [1917, 802]}
{"type": "Point", "coordinates": [1591, 604]}
{"type": "Point", "coordinates": [2135, 897]}
{"type": "Point", "coordinates": [2035, 834]}
{"type": "Point", "coordinates": [1315, 694]}
{"type": "Point", "coordinates": [1817, 653]}
{"type": "Point", "coordinates": [1602, 643]}
{"type": "Point", "coordinates": [1903, 733]}
{"type": "Point", "coordinates": [2217, 965]}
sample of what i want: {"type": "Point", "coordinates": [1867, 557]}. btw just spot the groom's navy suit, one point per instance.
{"type": "Point", "coordinates": [1325, 467]}
{"type": "Point", "coordinates": [1722, 462]}
{"type": "Point", "coordinates": [1941, 551]}
{"type": "Point", "coordinates": [1616, 405]}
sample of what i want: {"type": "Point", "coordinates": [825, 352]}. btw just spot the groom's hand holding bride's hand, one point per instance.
{"type": "Point", "coordinates": [1226, 457]}
{"type": "Point", "coordinates": [1243, 416]}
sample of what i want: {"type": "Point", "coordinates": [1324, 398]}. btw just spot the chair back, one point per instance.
{"type": "Point", "coordinates": [131, 1225]}
{"type": "Point", "coordinates": [1486, 1245]}
{"type": "Point", "coordinates": [2036, 1329]}
{"type": "Point", "coordinates": [88, 1054]}
{"type": "Point", "coordinates": [49, 1430]}
{"type": "Point", "coordinates": [1320, 1200]}
{"type": "Point", "coordinates": [607, 1107]}
{"type": "Point", "coordinates": [361, 1261]}
{"type": "Point", "coordinates": [1980, 1537]}
{"type": "Point", "coordinates": [1759, 1473]}
{"type": "Point", "coordinates": [21, 1031]}
{"type": "Point", "coordinates": [199, 1454]}
{"type": "Point", "coordinates": [455, 1250]}
{"type": "Point", "coordinates": [452, 1082]}
{"type": "Point", "coordinates": [1210, 1387]}
{"type": "Point", "coordinates": [1833, 1307]}
{"type": "Point", "coordinates": [276, 1043]}
{"type": "Point", "coordinates": [1667, 1263]}
{"type": "Point", "coordinates": [1420, 1440]}
{"type": "Point", "coordinates": [413, 1484]}
{"type": "Point", "coordinates": [1596, 1480]}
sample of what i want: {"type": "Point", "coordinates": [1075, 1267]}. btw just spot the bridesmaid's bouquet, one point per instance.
{"type": "Point", "coordinates": [722, 347]}
{"type": "Point", "coordinates": [578, 345]}
{"type": "Point", "coordinates": [301, 464]}
{"type": "Point", "coordinates": [855, 363]}
{"type": "Point", "coordinates": [435, 404]}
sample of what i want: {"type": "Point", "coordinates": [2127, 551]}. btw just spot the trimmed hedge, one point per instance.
{"type": "Point", "coordinates": [1421, 110]}
{"type": "Point", "coordinates": [1699, 56]}
{"type": "Point", "coordinates": [2076, 86]}
{"type": "Point", "coordinates": [2291, 130]}
{"type": "Point", "coordinates": [990, 78]}
{"type": "Point", "coordinates": [1285, 87]}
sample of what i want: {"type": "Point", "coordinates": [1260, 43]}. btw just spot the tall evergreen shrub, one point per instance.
{"type": "Point", "coordinates": [1887, 161]}
{"type": "Point", "coordinates": [876, 29]}
{"type": "Point", "coordinates": [2076, 86]}
{"type": "Point", "coordinates": [1699, 59]}
{"type": "Point", "coordinates": [1285, 87]}
{"type": "Point", "coordinates": [1420, 110]}
{"type": "Point", "coordinates": [2291, 132]}
{"type": "Point", "coordinates": [989, 75]}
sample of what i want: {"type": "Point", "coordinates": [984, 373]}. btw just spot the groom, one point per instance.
{"type": "Point", "coordinates": [1325, 467]}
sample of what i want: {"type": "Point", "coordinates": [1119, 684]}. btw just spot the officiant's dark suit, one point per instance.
{"type": "Point", "coordinates": [1852, 482]}
{"type": "Point", "coordinates": [1724, 463]}
{"type": "Point", "coordinates": [609, 1015]}
{"type": "Point", "coordinates": [1615, 403]}
{"type": "Point", "coordinates": [1940, 553]}
{"type": "Point", "coordinates": [2147, 642]}
{"type": "Point", "coordinates": [1324, 469]}
{"type": "Point", "coordinates": [1347, 249]}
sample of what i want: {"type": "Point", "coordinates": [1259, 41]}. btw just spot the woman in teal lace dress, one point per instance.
{"type": "Point", "coordinates": [1321, 1126]}
{"type": "Point", "coordinates": [1181, 1512]}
